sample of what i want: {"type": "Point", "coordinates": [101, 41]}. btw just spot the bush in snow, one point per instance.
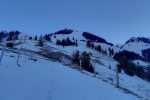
{"type": "Point", "coordinates": [10, 45]}
{"type": "Point", "coordinates": [66, 42]}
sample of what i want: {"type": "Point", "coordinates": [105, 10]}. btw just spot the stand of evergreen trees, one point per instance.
{"type": "Point", "coordinates": [94, 38]}
{"type": "Point", "coordinates": [146, 53]}
{"type": "Point", "coordinates": [13, 35]}
{"type": "Point", "coordinates": [47, 37]}
{"type": "Point", "coordinates": [125, 59]}
{"type": "Point", "coordinates": [67, 42]}
{"type": "Point", "coordinates": [41, 39]}
{"type": "Point", "coordinates": [98, 48]}
{"type": "Point", "coordinates": [83, 60]}
{"type": "Point", "coordinates": [65, 31]}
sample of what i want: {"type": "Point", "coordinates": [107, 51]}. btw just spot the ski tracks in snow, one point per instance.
{"type": "Point", "coordinates": [52, 83]}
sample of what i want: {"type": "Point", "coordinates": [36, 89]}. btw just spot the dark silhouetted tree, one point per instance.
{"type": "Point", "coordinates": [40, 41]}
{"type": "Point", "coordinates": [76, 57]}
{"type": "Point", "coordinates": [10, 45]}
{"type": "Point", "coordinates": [85, 62]}
{"type": "Point", "coordinates": [35, 38]}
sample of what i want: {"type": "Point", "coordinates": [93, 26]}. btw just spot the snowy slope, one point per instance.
{"type": "Point", "coordinates": [46, 80]}
{"type": "Point", "coordinates": [77, 35]}
{"type": "Point", "coordinates": [106, 68]}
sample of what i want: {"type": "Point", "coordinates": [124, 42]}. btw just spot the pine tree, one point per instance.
{"type": "Point", "coordinates": [47, 37]}
{"type": "Point", "coordinates": [10, 45]}
{"type": "Point", "coordinates": [98, 48]}
{"type": "Point", "coordinates": [1, 36]}
{"type": "Point", "coordinates": [68, 41]}
{"type": "Point", "coordinates": [128, 67]}
{"type": "Point", "coordinates": [63, 43]}
{"type": "Point", "coordinates": [16, 35]}
{"type": "Point", "coordinates": [112, 52]}
{"type": "Point", "coordinates": [58, 42]}
{"type": "Point", "coordinates": [35, 38]}
{"type": "Point", "coordinates": [109, 52]}
{"type": "Point", "coordinates": [85, 62]}
{"type": "Point", "coordinates": [73, 38]}
{"type": "Point", "coordinates": [10, 36]}
{"type": "Point", "coordinates": [88, 43]}
{"type": "Point", "coordinates": [76, 57]}
{"type": "Point", "coordinates": [76, 42]}
{"type": "Point", "coordinates": [40, 41]}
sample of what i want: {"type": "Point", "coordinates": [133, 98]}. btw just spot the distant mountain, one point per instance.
{"type": "Point", "coordinates": [139, 39]}
{"type": "Point", "coordinates": [118, 45]}
{"type": "Point", "coordinates": [137, 44]}
{"type": "Point", "coordinates": [83, 36]}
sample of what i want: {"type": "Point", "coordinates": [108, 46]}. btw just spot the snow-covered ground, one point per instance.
{"type": "Point", "coordinates": [107, 70]}
{"type": "Point", "coordinates": [46, 80]}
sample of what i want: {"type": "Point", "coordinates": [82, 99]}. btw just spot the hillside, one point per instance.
{"type": "Point", "coordinates": [46, 80]}
{"type": "Point", "coordinates": [41, 68]}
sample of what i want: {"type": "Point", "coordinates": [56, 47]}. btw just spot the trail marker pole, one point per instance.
{"type": "Point", "coordinates": [4, 48]}
{"type": "Point", "coordinates": [117, 76]}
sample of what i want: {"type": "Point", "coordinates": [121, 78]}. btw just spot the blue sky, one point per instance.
{"type": "Point", "coordinates": [114, 20]}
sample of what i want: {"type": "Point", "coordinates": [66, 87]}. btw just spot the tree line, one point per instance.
{"type": "Point", "coordinates": [67, 42]}
{"type": "Point", "coordinates": [100, 49]}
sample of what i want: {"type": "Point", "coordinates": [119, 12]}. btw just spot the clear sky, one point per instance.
{"type": "Point", "coordinates": [114, 20]}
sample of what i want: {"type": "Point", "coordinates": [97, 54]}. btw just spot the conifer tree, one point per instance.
{"type": "Point", "coordinates": [76, 57]}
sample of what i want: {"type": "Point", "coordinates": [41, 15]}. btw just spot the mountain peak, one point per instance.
{"type": "Point", "coordinates": [86, 36]}
{"type": "Point", "coordinates": [139, 39]}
